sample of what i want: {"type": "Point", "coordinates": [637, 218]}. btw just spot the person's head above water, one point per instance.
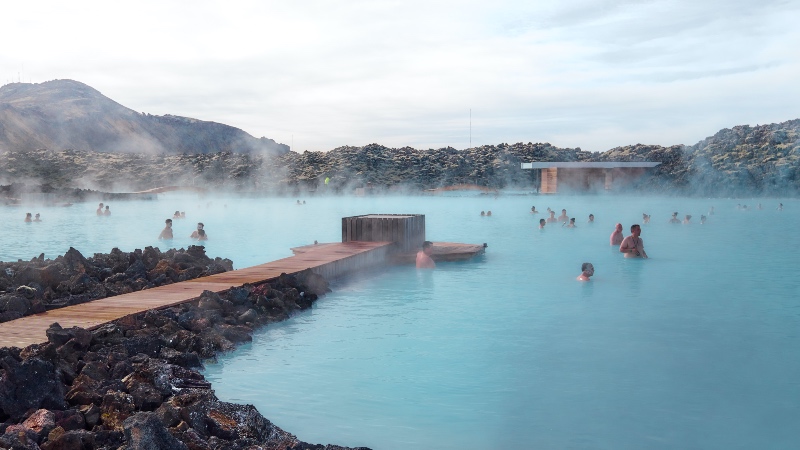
{"type": "Point", "coordinates": [587, 270]}
{"type": "Point", "coordinates": [200, 225]}
{"type": "Point", "coordinates": [618, 227]}
{"type": "Point", "coordinates": [542, 222]}
{"type": "Point", "coordinates": [635, 229]}
{"type": "Point", "coordinates": [168, 222]}
{"type": "Point", "coordinates": [427, 247]}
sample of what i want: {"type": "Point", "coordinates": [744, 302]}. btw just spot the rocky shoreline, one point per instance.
{"type": "Point", "coordinates": [133, 383]}
{"type": "Point", "coordinates": [743, 161]}
{"type": "Point", "coordinates": [38, 285]}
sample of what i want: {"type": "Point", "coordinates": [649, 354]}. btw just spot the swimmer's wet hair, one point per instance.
{"type": "Point", "coordinates": [427, 244]}
{"type": "Point", "coordinates": [585, 266]}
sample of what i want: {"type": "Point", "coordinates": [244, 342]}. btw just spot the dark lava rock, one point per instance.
{"type": "Point", "coordinates": [15, 401]}
{"type": "Point", "coordinates": [72, 279]}
{"type": "Point", "coordinates": [132, 383]}
{"type": "Point", "coordinates": [145, 431]}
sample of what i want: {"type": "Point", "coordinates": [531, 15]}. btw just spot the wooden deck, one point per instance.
{"type": "Point", "coordinates": [443, 251]}
{"type": "Point", "coordinates": [328, 260]}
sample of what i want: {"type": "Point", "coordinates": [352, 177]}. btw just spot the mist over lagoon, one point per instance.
{"type": "Point", "coordinates": [360, 108]}
{"type": "Point", "coordinates": [506, 348]}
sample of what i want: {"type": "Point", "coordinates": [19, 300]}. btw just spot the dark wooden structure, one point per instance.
{"type": "Point", "coordinates": [555, 176]}
{"type": "Point", "coordinates": [407, 231]}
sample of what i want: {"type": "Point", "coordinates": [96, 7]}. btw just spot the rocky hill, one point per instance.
{"type": "Point", "coordinates": [761, 160]}
{"type": "Point", "coordinates": [743, 160]}
{"type": "Point", "coordinates": [66, 114]}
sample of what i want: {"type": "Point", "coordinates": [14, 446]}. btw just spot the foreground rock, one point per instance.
{"type": "Point", "coordinates": [38, 285]}
{"type": "Point", "coordinates": [134, 384]}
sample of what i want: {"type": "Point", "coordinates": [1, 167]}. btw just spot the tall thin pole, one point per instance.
{"type": "Point", "coordinates": [470, 128]}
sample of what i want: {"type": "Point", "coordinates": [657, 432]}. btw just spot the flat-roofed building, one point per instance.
{"type": "Point", "coordinates": [586, 176]}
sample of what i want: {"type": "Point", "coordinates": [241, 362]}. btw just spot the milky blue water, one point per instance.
{"type": "Point", "coordinates": [697, 347]}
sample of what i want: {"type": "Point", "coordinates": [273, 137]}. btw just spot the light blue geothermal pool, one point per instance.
{"type": "Point", "coordinates": [697, 347]}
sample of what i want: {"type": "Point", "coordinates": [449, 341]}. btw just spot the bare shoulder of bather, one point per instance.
{"type": "Point", "coordinates": [424, 261]}
{"type": "Point", "coordinates": [630, 249]}
{"type": "Point", "coordinates": [627, 247]}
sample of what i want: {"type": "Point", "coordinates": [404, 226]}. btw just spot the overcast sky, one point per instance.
{"type": "Point", "coordinates": [322, 74]}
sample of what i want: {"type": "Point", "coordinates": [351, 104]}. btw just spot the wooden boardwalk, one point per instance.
{"type": "Point", "coordinates": [328, 260]}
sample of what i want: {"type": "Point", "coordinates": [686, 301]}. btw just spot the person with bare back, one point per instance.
{"type": "Point", "coordinates": [424, 260]}
{"type": "Point", "coordinates": [616, 236]}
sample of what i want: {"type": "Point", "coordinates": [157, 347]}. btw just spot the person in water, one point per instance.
{"type": "Point", "coordinates": [687, 219]}
{"type": "Point", "coordinates": [541, 223]}
{"type": "Point", "coordinates": [196, 233]}
{"type": "Point", "coordinates": [633, 246]}
{"type": "Point", "coordinates": [702, 219]}
{"type": "Point", "coordinates": [424, 260]}
{"type": "Point", "coordinates": [571, 223]}
{"type": "Point", "coordinates": [166, 233]}
{"type": "Point", "coordinates": [533, 210]}
{"type": "Point", "coordinates": [780, 206]}
{"type": "Point", "coordinates": [201, 235]}
{"type": "Point", "coordinates": [37, 218]}
{"type": "Point", "coordinates": [552, 217]}
{"type": "Point", "coordinates": [28, 217]}
{"type": "Point", "coordinates": [587, 270]}
{"type": "Point", "coordinates": [563, 217]}
{"type": "Point", "coordinates": [177, 215]}
{"type": "Point", "coordinates": [616, 235]}
{"type": "Point", "coordinates": [591, 218]}
{"type": "Point", "coordinates": [99, 210]}
{"type": "Point", "coordinates": [489, 213]}
{"type": "Point", "coordinates": [674, 218]}
{"type": "Point", "coordinates": [645, 218]}
{"type": "Point", "coordinates": [107, 212]}
{"type": "Point", "coordinates": [483, 213]}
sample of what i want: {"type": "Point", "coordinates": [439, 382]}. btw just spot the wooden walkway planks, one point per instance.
{"type": "Point", "coordinates": [329, 260]}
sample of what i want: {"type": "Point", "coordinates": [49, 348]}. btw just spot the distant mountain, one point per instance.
{"type": "Point", "coordinates": [66, 114]}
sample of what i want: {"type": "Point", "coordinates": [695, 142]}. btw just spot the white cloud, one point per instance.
{"type": "Point", "coordinates": [594, 74]}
